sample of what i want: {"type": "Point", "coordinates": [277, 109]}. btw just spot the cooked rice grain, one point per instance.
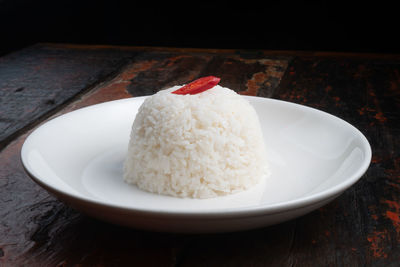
{"type": "Point", "coordinates": [200, 146]}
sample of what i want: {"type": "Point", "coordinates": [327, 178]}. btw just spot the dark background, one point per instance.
{"type": "Point", "coordinates": [278, 25]}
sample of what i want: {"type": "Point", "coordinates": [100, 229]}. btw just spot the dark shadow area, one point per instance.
{"type": "Point", "coordinates": [277, 25]}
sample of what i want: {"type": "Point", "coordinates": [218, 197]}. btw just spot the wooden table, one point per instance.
{"type": "Point", "coordinates": [361, 227]}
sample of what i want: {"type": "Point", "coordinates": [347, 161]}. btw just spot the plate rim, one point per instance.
{"type": "Point", "coordinates": [250, 211]}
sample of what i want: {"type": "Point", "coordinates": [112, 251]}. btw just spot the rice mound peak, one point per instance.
{"type": "Point", "coordinates": [200, 146]}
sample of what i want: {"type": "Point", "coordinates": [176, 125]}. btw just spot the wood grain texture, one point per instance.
{"type": "Point", "coordinates": [244, 73]}
{"type": "Point", "coordinates": [38, 230]}
{"type": "Point", "coordinates": [38, 79]}
{"type": "Point", "coordinates": [360, 228]}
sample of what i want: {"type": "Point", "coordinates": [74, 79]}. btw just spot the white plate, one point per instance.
{"type": "Point", "coordinates": [313, 157]}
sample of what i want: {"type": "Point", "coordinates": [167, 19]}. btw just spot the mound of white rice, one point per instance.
{"type": "Point", "coordinates": [200, 146]}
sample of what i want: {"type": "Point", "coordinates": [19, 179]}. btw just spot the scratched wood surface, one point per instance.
{"type": "Point", "coordinates": [360, 228]}
{"type": "Point", "coordinates": [38, 79]}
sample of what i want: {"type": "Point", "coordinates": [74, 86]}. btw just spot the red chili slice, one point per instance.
{"type": "Point", "coordinates": [198, 86]}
